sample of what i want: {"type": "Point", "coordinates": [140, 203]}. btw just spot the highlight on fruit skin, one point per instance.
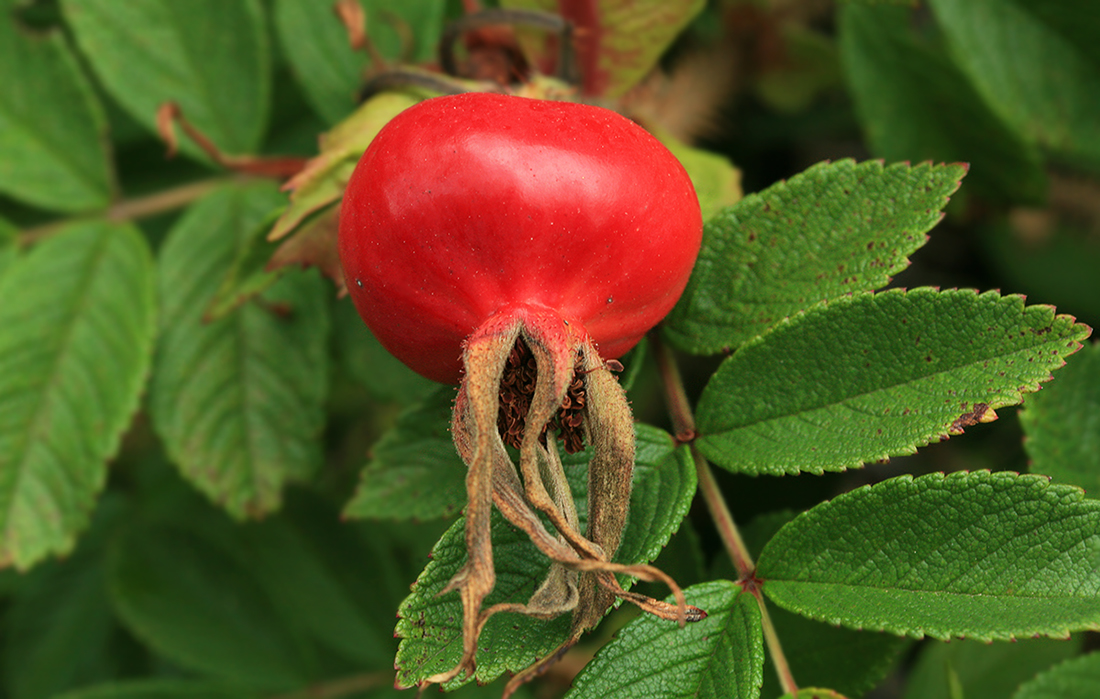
{"type": "Point", "coordinates": [517, 247]}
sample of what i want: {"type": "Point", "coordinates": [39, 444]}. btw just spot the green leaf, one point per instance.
{"type": "Point", "coordinates": [983, 670]}
{"type": "Point", "coordinates": [720, 657]}
{"type": "Point", "coordinates": [871, 376]}
{"type": "Point", "coordinates": [1074, 679]}
{"type": "Point", "coordinates": [325, 65]}
{"type": "Point", "coordinates": [1062, 424]}
{"type": "Point", "coordinates": [981, 555]}
{"type": "Point", "coordinates": [414, 472]}
{"type": "Point", "coordinates": [239, 401]}
{"type": "Point", "coordinates": [369, 363]}
{"type": "Point", "coordinates": [1028, 70]}
{"type": "Point", "coordinates": [618, 41]}
{"type": "Point", "coordinates": [430, 624]}
{"type": "Point", "coordinates": [820, 655]}
{"type": "Point", "coordinates": [162, 689]}
{"type": "Point", "coordinates": [53, 146]}
{"type": "Point", "coordinates": [9, 245]}
{"type": "Point", "coordinates": [59, 629]}
{"type": "Point", "coordinates": [247, 276]}
{"type": "Point", "coordinates": [76, 333]}
{"type": "Point", "coordinates": [203, 609]}
{"type": "Point", "coordinates": [834, 229]}
{"type": "Point", "coordinates": [209, 56]}
{"type": "Point", "coordinates": [915, 104]}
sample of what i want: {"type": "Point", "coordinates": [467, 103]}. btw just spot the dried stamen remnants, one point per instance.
{"type": "Point", "coordinates": [516, 390]}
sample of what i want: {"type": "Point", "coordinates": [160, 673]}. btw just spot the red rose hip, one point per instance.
{"type": "Point", "coordinates": [517, 245]}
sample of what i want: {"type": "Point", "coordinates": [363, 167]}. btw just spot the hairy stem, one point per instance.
{"type": "Point", "coordinates": [683, 421]}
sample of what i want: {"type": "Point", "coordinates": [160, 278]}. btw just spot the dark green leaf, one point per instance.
{"type": "Point", "coordinates": [248, 275]}
{"type": "Point", "coordinates": [1028, 71]}
{"type": "Point", "coordinates": [9, 247]}
{"type": "Point", "coordinates": [834, 229]}
{"type": "Point", "coordinates": [59, 630]}
{"type": "Point", "coordinates": [238, 402]}
{"type": "Point", "coordinates": [196, 605]}
{"type": "Point", "coordinates": [430, 625]}
{"type": "Point", "coordinates": [414, 472]}
{"type": "Point", "coordinates": [720, 657]}
{"type": "Point", "coordinates": [915, 104]}
{"type": "Point", "coordinates": [328, 69]}
{"type": "Point", "coordinates": [981, 555]}
{"type": "Point", "coordinates": [871, 376]}
{"type": "Point", "coordinates": [984, 670]}
{"type": "Point", "coordinates": [1062, 424]}
{"type": "Point", "coordinates": [76, 335]}
{"type": "Point", "coordinates": [53, 150]}
{"type": "Point", "coordinates": [369, 363]}
{"type": "Point", "coordinates": [1074, 679]}
{"type": "Point", "coordinates": [209, 56]}
{"type": "Point", "coordinates": [162, 689]}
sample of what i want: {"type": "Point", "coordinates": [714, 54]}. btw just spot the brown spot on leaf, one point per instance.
{"type": "Point", "coordinates": [981, 412]}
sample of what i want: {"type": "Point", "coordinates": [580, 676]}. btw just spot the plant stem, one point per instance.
{"type": "Point", "coordinates": [342, 687]}
{"type": "Point", "coordinates": [683, 422]}
{"type": "Point", "coordinates": [131, 209]}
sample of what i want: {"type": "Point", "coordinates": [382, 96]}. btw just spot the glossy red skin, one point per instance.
{"type": "Point", "coordinates": [465, 207]}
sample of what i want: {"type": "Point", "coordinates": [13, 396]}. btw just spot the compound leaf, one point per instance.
{"type": "Point", "coordinates": [430, 625]}
{"type": "Point", "coordinates": [867, 377]}
{"type": "Point", "coordinates": [1062, 424]}
{"type": "Point", "coordinates": [1078, 678]}
{"type": "Point", "coordinates": [53, 147]}
{"type": "Point", "coordinates": [834, 229]}
{"type": "Point", "coordinates": [238, 401]}
{"type": "Point", "coordinates": [414, 472]}
{"type": "Point", "coordinates": [990, 556]}
{"type": "Point", "coordinates": [76, 332]}
{"type": "Point", "coordinates": [209, 56]}
{"type": "Point", "coordinates": [721, 656]}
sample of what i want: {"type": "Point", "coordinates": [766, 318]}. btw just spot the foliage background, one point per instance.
{"type": "Point", "coordinates": [134, 579]}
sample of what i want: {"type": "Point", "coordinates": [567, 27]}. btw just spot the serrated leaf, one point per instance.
{"type": "Point", "coordinates": [915, 104]}
{"type": "Point", "coordinates": [720, 657]}
{"type": "Point", "coordinates": [1062, 424]}
{"type": "Point", "coordinates": [322, 182]}
{"type": "Point", "coordinates": [1028, 70]}
{"type": "Point", "coordinates": [209, 56]}
{"type": "Point", "coordinates": [53, 146]}
{"type": "Point", "coordinates": [76, 332]}
{"type": "Point", "coordinates": [414, 472]}
{"type": "Point", "coordinates": [979, 555]}
{"type": "Point", "coordinates": [618, 41]}
{"type": "Point", "coordinates": [196, 605]}
{"type": "Point", "coordinates": [430, 625]}
{"type": "Point", "coordinates": [239, 401]}
{"type": "Point", "coordinates": [329, 70]}
{"type": "Point", "coordinates": [983, 670]}
{"type": "Point", "coordinates": [871, 376]}
{"type": "Point", "coordinates": [834, 229]}
{"type": "Point", "coordinates": [162, 689]}
{"type": "Point", "coordinates": [368, 362]}
{"type": "Point", "coordinates": [819, 655]}
{"type": "Point", "coordinates": [1074, 679]}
